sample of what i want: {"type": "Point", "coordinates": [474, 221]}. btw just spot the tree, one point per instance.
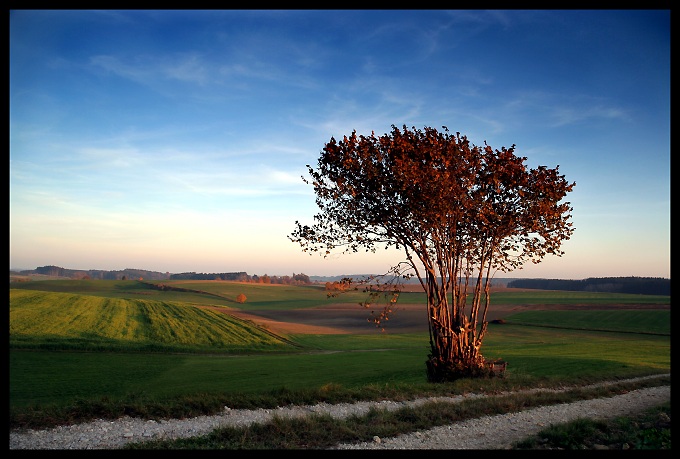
{"type": "Point", "coordinates": [301, 278]}
{"type": "Point", "coordinates": [458, 211]}
{"type": "Point", "coordinates": [241, 298]}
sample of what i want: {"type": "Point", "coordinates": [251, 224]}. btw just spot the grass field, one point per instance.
{"type": "Point", "coordinates": [271, 296]}
{"type": "Point", "coordinates": [65, 320]}
{"type": "Point", "coordinates": [106, 348]}
{"type": "Point", "coordinates": [627, 320]}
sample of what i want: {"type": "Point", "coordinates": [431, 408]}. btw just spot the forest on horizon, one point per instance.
{"type": "Point", "coordinates": [630, 284]}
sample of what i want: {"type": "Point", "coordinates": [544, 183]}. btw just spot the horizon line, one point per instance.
{"type": "Point", "coordinates": [330, 275]}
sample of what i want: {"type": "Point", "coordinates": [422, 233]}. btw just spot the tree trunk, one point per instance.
{"type": "Point", "coordinates": [454, 338]}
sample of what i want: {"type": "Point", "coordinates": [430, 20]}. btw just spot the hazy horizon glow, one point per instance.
{"type": "Point", "coordinates": [175, 141]}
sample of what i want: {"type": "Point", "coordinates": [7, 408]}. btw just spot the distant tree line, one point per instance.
{"type": "Point", "coordinates": [295, 279]}
{"type": "Point", "coordinates": [97, 273]}
{"type": "Point", "coordinates": [637, 285]}
{"type": "Point", "coordinates": [125, 274]}
{"type": "Point", "coordinates": [237, 276]}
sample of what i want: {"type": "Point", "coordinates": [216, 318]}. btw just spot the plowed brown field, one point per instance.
{"type": "Point", "coordinates": [344, 318]}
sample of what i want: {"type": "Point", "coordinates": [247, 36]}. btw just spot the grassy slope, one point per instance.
{"type": "Point", "coordinates": [78, 320]}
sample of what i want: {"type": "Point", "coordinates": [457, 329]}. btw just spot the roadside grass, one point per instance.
{"type": "Point", "coordinates": [321, 431]}
{"type": "Point", "coordinates": [650, 430]}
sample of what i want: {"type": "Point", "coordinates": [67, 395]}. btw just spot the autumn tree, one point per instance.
{"type": "Point", "coordinates": [340, 286]}
{"type": "Point", "coordinates": [241, 298]}
{"type": "Point", "coordinates": [459, 212]}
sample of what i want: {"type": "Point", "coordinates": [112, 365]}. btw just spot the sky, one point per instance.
{"type": "Point", "coordinates": [176, 141]}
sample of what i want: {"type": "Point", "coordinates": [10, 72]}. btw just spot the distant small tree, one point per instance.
{"type": "Point", "coordinates": [341, 286]}
{"type": "Point", "coordinates": [301, 278]}
{"type": "Point", "coordinates": [241, 298]}
{"type": "Point", "coordinates": [459, 212]}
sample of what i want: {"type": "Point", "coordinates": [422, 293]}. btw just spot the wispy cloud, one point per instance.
{"type": "Point", "coordinates": [147, 70]}
{"type": "Point", "coordinates": [557, 110]}
{"type": "Point", "coordinates": [562, 116]}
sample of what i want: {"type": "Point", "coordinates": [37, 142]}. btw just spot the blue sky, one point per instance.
{"type": "Point", "coordinates": [176, 140]}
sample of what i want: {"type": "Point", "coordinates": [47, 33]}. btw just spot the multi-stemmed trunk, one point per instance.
{"type": "Point", "coordinates": [455, 334]}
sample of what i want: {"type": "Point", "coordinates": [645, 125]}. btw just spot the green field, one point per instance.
{"type": "Point", "coordinates": [635, 321]}
{"type": "Point", "coordinates": [80, 345]}
{"type": "Point", "coordinates": [66, 320]}
{"type": "Point", "coordinates": [263, 296]}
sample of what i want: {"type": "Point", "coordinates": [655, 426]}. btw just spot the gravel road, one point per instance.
{"type": "Point", "coordinates": [487, 432]}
